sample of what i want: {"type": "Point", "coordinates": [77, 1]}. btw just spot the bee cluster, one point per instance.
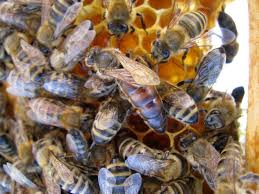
{"type": "Point", "coordinates": [90, 113]}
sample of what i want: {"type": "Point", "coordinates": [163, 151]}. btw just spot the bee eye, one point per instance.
{"type": "Point", "coordinates": [165, 53]}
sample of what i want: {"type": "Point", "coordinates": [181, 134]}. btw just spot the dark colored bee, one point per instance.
{"type": "Point", "coordinates": [7, 147]}
{"type": "Point", "coordinates": [116, 178]}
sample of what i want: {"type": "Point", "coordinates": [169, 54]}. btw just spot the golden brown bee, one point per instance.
{"type": "Point", "coordinates": [57, 172]}
{"type": "Point", "coordinates": [135, 80]}
{"type": "Point", "coordinates": [205, 158]}
{"type": "Point", "coordinates": [188, 185]}
{"type": "Point", "coordinates": [117, 178]}
{"type": "Point", "coordinates": [178, 104]}
{"type": "Point", "coordinates": [180, 33]}
{"type": "Point", "coordinates": [225, 21]}
{"type": "Point", "coordinates": [109, 119]}
{"type": "Point", "coordinates": [74, 47]}
{"type": "Point", "coordinates": [207, 74]}
{"type": "Point", "coordinates": [56, 18]}
{"type": "Point", "coordinates": [77, 145]}
{"type": "Point", "coordinates": [56, 113]}
{"type": "Point", "coordinates": [222, 110]}
{"type": "Point", "coordinates": [13, 15]}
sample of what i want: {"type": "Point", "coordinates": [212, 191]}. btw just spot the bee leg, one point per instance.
{"type": "Point", "coordinates": [132, 29]}
{"type": "Point", "coordinates": [158, 34]}
{"type": "Point", "coordinates": [142, 22]}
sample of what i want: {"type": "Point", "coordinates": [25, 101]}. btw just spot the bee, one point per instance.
{"type": "Point", "coordinates": [58, 173]}
{"type": "Point", "coordinates": [65, 85]}
{"type": "Point", "coordinates": [17, 172]}
{"type": "Point", "coordinates": [187, 185]}
{"type": "Point", "coordinates": [4, 71]}
{"type": "Point", "coordinates": [181, 32]}
{"type": "Point", "coordinates": [117, 178]}
{"type": "Point", "coordinates": [75, 46]}
{"type": "Point", "coordinates": [109, 119]}
{"type": "Point", "coordinates": [78, 145]}
{"type": "Point", "coordinates": [225, 21]}
{"type": "Point", "coordinates": [5, 31]}
{"type": "Point", "coordinates": [5, 182]}
{"type": "Point", "coordinates": [129, 75]}
{"type": "Point", "coordinates": [57, 17]}
{"type": "Point", "coordinates": [56, 113]}
{"type": "Point", "coordinates": [222, 110]}
{"type": "Point", "coordinates": [12, 14]}
{"type": "Point", "coordinates": [218, 139]}
{"type": "Point", "coordinates": [178, 104]}
{"type": "Point", "coordinates": [7, 147]}
{"type": "Point", "coordinates": [98, 88]}
{"type": "Point", "coordinates": [20, 86]}
{"type": "Point", "coordinates": [205, 158]}
{"type": "Point", "coordinates": [207, 74]}
{"type": "Point", "coordinates": [118, 15]}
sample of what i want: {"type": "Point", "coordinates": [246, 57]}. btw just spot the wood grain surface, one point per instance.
{"type": "Point", "coordinates": [252, 139]}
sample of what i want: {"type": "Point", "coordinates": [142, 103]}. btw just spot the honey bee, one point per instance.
{"type": "Point", "coordinates": [187, 185]}
{"type": "Point", "coordinates": [118, 15]}
{"type": "Point", "coordinates": [205, 158]}
{"type": "Point", "coordinates": [7, 147]}
{"type": "Point", "coordinates": [57, 17]}
{"type": "Point", "coordinates": [56, 113]}
{"type": "Point", "coordinates": [135, 80]}
{"type": "Point", "coordinates": [225, 21]}
{"type": "Point", "coordinates": [75, 46]}
{"type": "Point", "coordinates": [12, 15]}
{"type": "Point", "coordinates": [4, 71]}
{"type": "Point", "coordinates": [222, 110]}
{"type": "Point", "coordinates": [65, 85]}
{"type": "Point", "coordinates": [181, 32]}
{"type": "Point", "coordinates": [117, 178]}
{"type": "Point", "coordinates": [178, 104]}
{"type": "Point", "coordinates": [164, 166]}
{"type": "Point", "coordinates": [98, 88]}
{"type": "Point", "coordinates": [207, 74]}
{"type": "Point", "coordinates": [78, 145]}
{"type": "Point", "coordinates": [58, 173]}
{"type": "Point", "coordinates": [109, 119]}
{"type": "Point", "coordinates": [17, 172]}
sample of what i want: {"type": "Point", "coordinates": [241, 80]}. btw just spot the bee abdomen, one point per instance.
{"type": "Point", "coordinates": [120, 171]}
{"type": "Point", "coordinates": [149, 105]}
{"type": "Point", "coordinates": [194, 23]}
{"type": "Point", "coordinates": [7, 147]}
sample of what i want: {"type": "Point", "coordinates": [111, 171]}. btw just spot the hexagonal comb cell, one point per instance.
{"type": "Point", "coordinates": [137, 124]}
{"type": "Point", "coordinates": [149, 17]}
{"type": "Point", "coordinates": [174, 126]}
{"type": "Point", "coordinates": [160, 4]}
{"type": "Point", "coordinates": [157, 141]}
{"type": "Point", "coordinates": [184, 139]}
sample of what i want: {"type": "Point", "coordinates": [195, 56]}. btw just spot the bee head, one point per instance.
{"type": "Point", "coordinates": [214, 120]}
{"type": "Point", "coordinates": [118, 27]}
{"type": "Point", "coordinates": [160, 51]}
{"type": "Point", "coordinates": [91, 56]}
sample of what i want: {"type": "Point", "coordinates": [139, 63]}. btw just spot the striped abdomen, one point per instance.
{"type": "Point", "coordinates": [120, 172]}
{"type": "Point", "coordinates": [109, 119]}
{"type": "Point", "coordinates": [180, 186]}
{"type": "Point", "coordinates": [194, 23]}
{"type": "Point", "coordinates": [77, 144]}
{"type": "Point", "coordinates": [148, 103]}
{"type": "Point", "coordinates": [7, 147]}
{"type": "Point", "coordinates": [63, 85]}
{"type": "Point", "coordinates": [81, 185]}
{"type": "Point", "coordinates": [130, 146]}
{"type": "Point", "coordinates": [58, 10]}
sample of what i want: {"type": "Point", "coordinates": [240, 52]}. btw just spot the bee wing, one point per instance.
{"type": "Point", "coordinates": [68, 18]}
{"type": "Point", "coordinates": [210, 68]}
{"type": "Point", "coordinates": [21, 92]}
{"type": "Point", "coordinates": [18, 176]}
{"type": "Point", "coordinates": [106, 180]}
{"type": "Point", "coordinates": [79, 40]}
{"type": "Point", "coordinates": [133, 183]}
{"type": "Point", "coordinates": [144, 164]}
{"type": "Point", "coordinates": [51, 186]}
{"type": "Point", "coordinates": [35, 55]}
{"type": "Point", "coordinates": [45, 9]}
{"type": "Point", "coordinates": [121, 74]}
{"type": "Point", "coordinates": [63, 171]}
{"type": "Point", "coordinates": [139, 72]}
